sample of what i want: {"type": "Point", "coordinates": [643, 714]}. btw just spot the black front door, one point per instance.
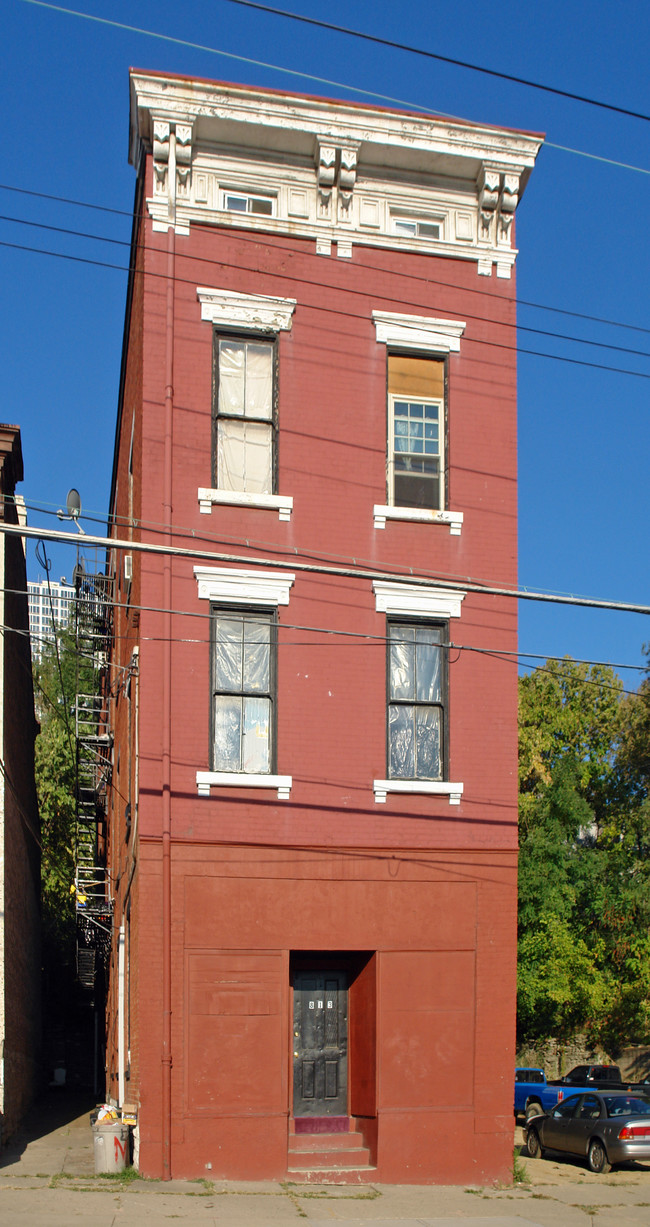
{"type": "Point", "coordinates": [320, 1043]}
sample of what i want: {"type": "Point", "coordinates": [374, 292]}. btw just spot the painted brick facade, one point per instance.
{"type": "Point", "coordinates": [224, 899]}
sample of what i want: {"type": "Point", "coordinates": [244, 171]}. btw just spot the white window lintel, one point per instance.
{"type": "Point", "coordinates": [418, 332]}
{"type": "Point", "coordinates": [414, 600]}
{"type": "Point", "coordinates": [420, 515]}
{"type": "Point", "coordinates": [256, 312]}
{"type": "Point", "coordinates": [432, 788]}
{"type": "Point", "coordinates": [238, 587]}
{"type": "Point", "coordinates": [283, 504]}
{"type": "Point", "coordinates": [205, 780]}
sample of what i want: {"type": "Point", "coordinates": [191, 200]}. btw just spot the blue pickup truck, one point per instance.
{"type": "Point", "coordinates": [533, 1094]}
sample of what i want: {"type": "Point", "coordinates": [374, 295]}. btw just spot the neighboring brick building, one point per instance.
{"type": "Point", "coordinates": [20, 961]}
{"type": "Point", "coordinates": [313, 819]}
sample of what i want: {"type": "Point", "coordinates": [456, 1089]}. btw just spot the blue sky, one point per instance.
{"type": "Point", "coordinates": [582, 232]}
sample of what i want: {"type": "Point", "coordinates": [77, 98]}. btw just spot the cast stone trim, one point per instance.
{"type": "Point", "coordinates": [422, 515]}
{"type": "Point", "coordinates": [418, 332]}
{"type": "Point", "coordinates": [205, 780]}
{"type": "Point", "coordinates": [432, 788]}
{"type": "Point", "coordinates": [331, 167]}
{"type": "Point", "coordinates": [258, 312]}
{"type": "Point", "coordinates": [413, 600]}
{"type": "Point", "coordinates": [237, 587]}
{"type": "Point", "coordinates": [283, 504]}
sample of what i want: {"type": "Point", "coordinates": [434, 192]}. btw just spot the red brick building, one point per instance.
{"type": "Point", "coordinates": [313, 827]}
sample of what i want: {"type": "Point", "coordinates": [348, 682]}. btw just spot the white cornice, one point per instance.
{"type": "Point", "coordinates": [259, 312]}
{"type": "Point", "coordinates": [339, 173]}
{"type": "Point", "coordinates": [413, 600]}
{"type": "Point", "coordinates": [418, 332]}
{"type": "Point", "coordinates": [297, 120]}
{"type": "Point", "coordinates": [237, 587]}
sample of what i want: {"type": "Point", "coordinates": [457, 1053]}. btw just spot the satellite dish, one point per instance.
{"type": "Point", "coordinates": [73, 503]}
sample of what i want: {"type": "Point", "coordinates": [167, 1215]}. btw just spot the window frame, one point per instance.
{"type": "Point", "coordinates": [248, 196]}
{"type": "Point", "coordinates": [417, 220]}
{"type": "Point", "coordinates": [418, 624]}
{"type": "Point", "coordinates": [444, 476]}
{"type": "Point", "coordinates": [255, 338]}
{"type": "Point", "coordinates": [268, 615]}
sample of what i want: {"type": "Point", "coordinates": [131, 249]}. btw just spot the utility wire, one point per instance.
{"type": "Point", "coordinates": [176, 551]}
{"type": "Point", "coordinates": [370, 640]}
{"type": "Point", "coordinates": [443, 59]}
{"type": "Point", "coordinates": [540, 332]}
{"type": "Point", "coordinates": [306, 76]}
{"type": "Point", "coordinates": [535, 353]}
{"type": "Point", "coordinates": [521, 302]}
{"type": "Point", "coordinates": [152, 527]}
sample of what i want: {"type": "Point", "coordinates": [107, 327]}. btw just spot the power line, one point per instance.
{"type": "Point", "coordinates": [176, 551]}
{"type": "Point", "coordinates": [306, 76]}
{"type": "Point", "coordinates": [158, 528]}
{"type": "Point", "coordinates": [443, 59]}
{"type": "Point", "coordinates": [521, 302]}
{"type": "Point", "coordinates": [559, 336]}
{"type": "Point", "coordinates": [597, 366]}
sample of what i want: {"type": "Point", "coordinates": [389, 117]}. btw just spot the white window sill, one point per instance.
{"type": "Point", "coordinates": [421, 515]}
{"type": "Point", "coordinates": [433, 788]}
{"type": "Point", "coordinates": [240, 498]}
{"type": "Point", "coordinates": [205, 780]}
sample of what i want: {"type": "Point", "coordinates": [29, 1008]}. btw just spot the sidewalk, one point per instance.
{"type": "Point", "coordinates": [47, 1177]}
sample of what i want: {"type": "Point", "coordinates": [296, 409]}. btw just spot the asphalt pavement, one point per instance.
{"type": "Point", "coordinates": [47, 1177]}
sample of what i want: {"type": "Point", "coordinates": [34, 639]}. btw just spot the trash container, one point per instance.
{"type": "Point", "coordinates": [111, 1146]}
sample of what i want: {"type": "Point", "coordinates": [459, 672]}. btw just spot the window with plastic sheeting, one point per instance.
{"type": "Point", "coordinates": [416, 701]}
{"type": "Point", "coordinates": [244, 432]}
{"type": "Point", "coordinates": [243, 684]}
{"type": "Point", "coordinates": [416, 432]}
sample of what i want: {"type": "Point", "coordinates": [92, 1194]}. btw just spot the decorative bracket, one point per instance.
{"type": "Point", "coordinates": [508, 203]}
{"type": "Point", "coordinates": [325, 177]}
{"type": "Point", "coordinates": [172, 164]}
{"type": "Point", "coordinates": [488, 198]}
{"type": "Point", "coordinates": [347, 178]}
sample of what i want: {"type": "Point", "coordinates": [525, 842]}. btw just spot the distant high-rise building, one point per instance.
{"type": "Point", "coordinates": [49, 606]}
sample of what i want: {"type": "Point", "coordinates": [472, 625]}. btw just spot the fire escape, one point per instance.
{"type": "Point", "coordinates": [94, 750]}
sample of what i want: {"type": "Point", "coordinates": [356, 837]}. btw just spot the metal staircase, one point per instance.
{"type": "Point", "coordinates": [94, 752]}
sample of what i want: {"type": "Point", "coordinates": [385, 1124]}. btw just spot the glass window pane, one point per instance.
{"type": "Point", "coordinates": [244, 456]}
{"type": "Point", "coordinates": [261, 206]}
{"type": "Point", "coordinates": [259, 381]}
{"type": "Point", "coordinates": [227, 733]}
{"type": "Point", "coordinates": [402, 662]}
{"type": "Point", "coordinates": [232, 365]}
{"type": "Point", "coordinates": [401, 743]}
{"type": "Point", "coordinates": [428, 662]}
{"type": "Point", "coordinates": [429, 758]}
{"type": "Point", "coordinates": [256, 739]}
{"type": "Point", "coordinates": [228, 638]}
{"type": "Point", "coordinates": [236, 202]}
{"type": "Point", "coordinates": [257, 656]}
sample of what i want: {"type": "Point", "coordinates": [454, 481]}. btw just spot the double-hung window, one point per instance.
{"type": "Point", "coordinates": [245, 414]}
{"type": "Point", "coordinates": [243, 690]}
{"type": "Point", "coordinates": [416, 432]}
{"type": "Point", "coordinates": [416, 700]}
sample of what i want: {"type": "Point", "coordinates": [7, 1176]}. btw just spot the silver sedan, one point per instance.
{"type": "Point", "coordinates": [603, 1128]}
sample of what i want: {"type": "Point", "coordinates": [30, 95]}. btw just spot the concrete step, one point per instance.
{"type": "Point", "coordinates": [325, 1141]}
{"type": "Point", "coordinates": [332, 1175]}
{"type": "Point", "coordinates": [359, 1156]}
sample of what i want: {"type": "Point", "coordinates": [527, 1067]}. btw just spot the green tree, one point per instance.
{"type": "Point", "coordinates": [583, 884]}
{"type": "Point", "coordinates": [58, 675]}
